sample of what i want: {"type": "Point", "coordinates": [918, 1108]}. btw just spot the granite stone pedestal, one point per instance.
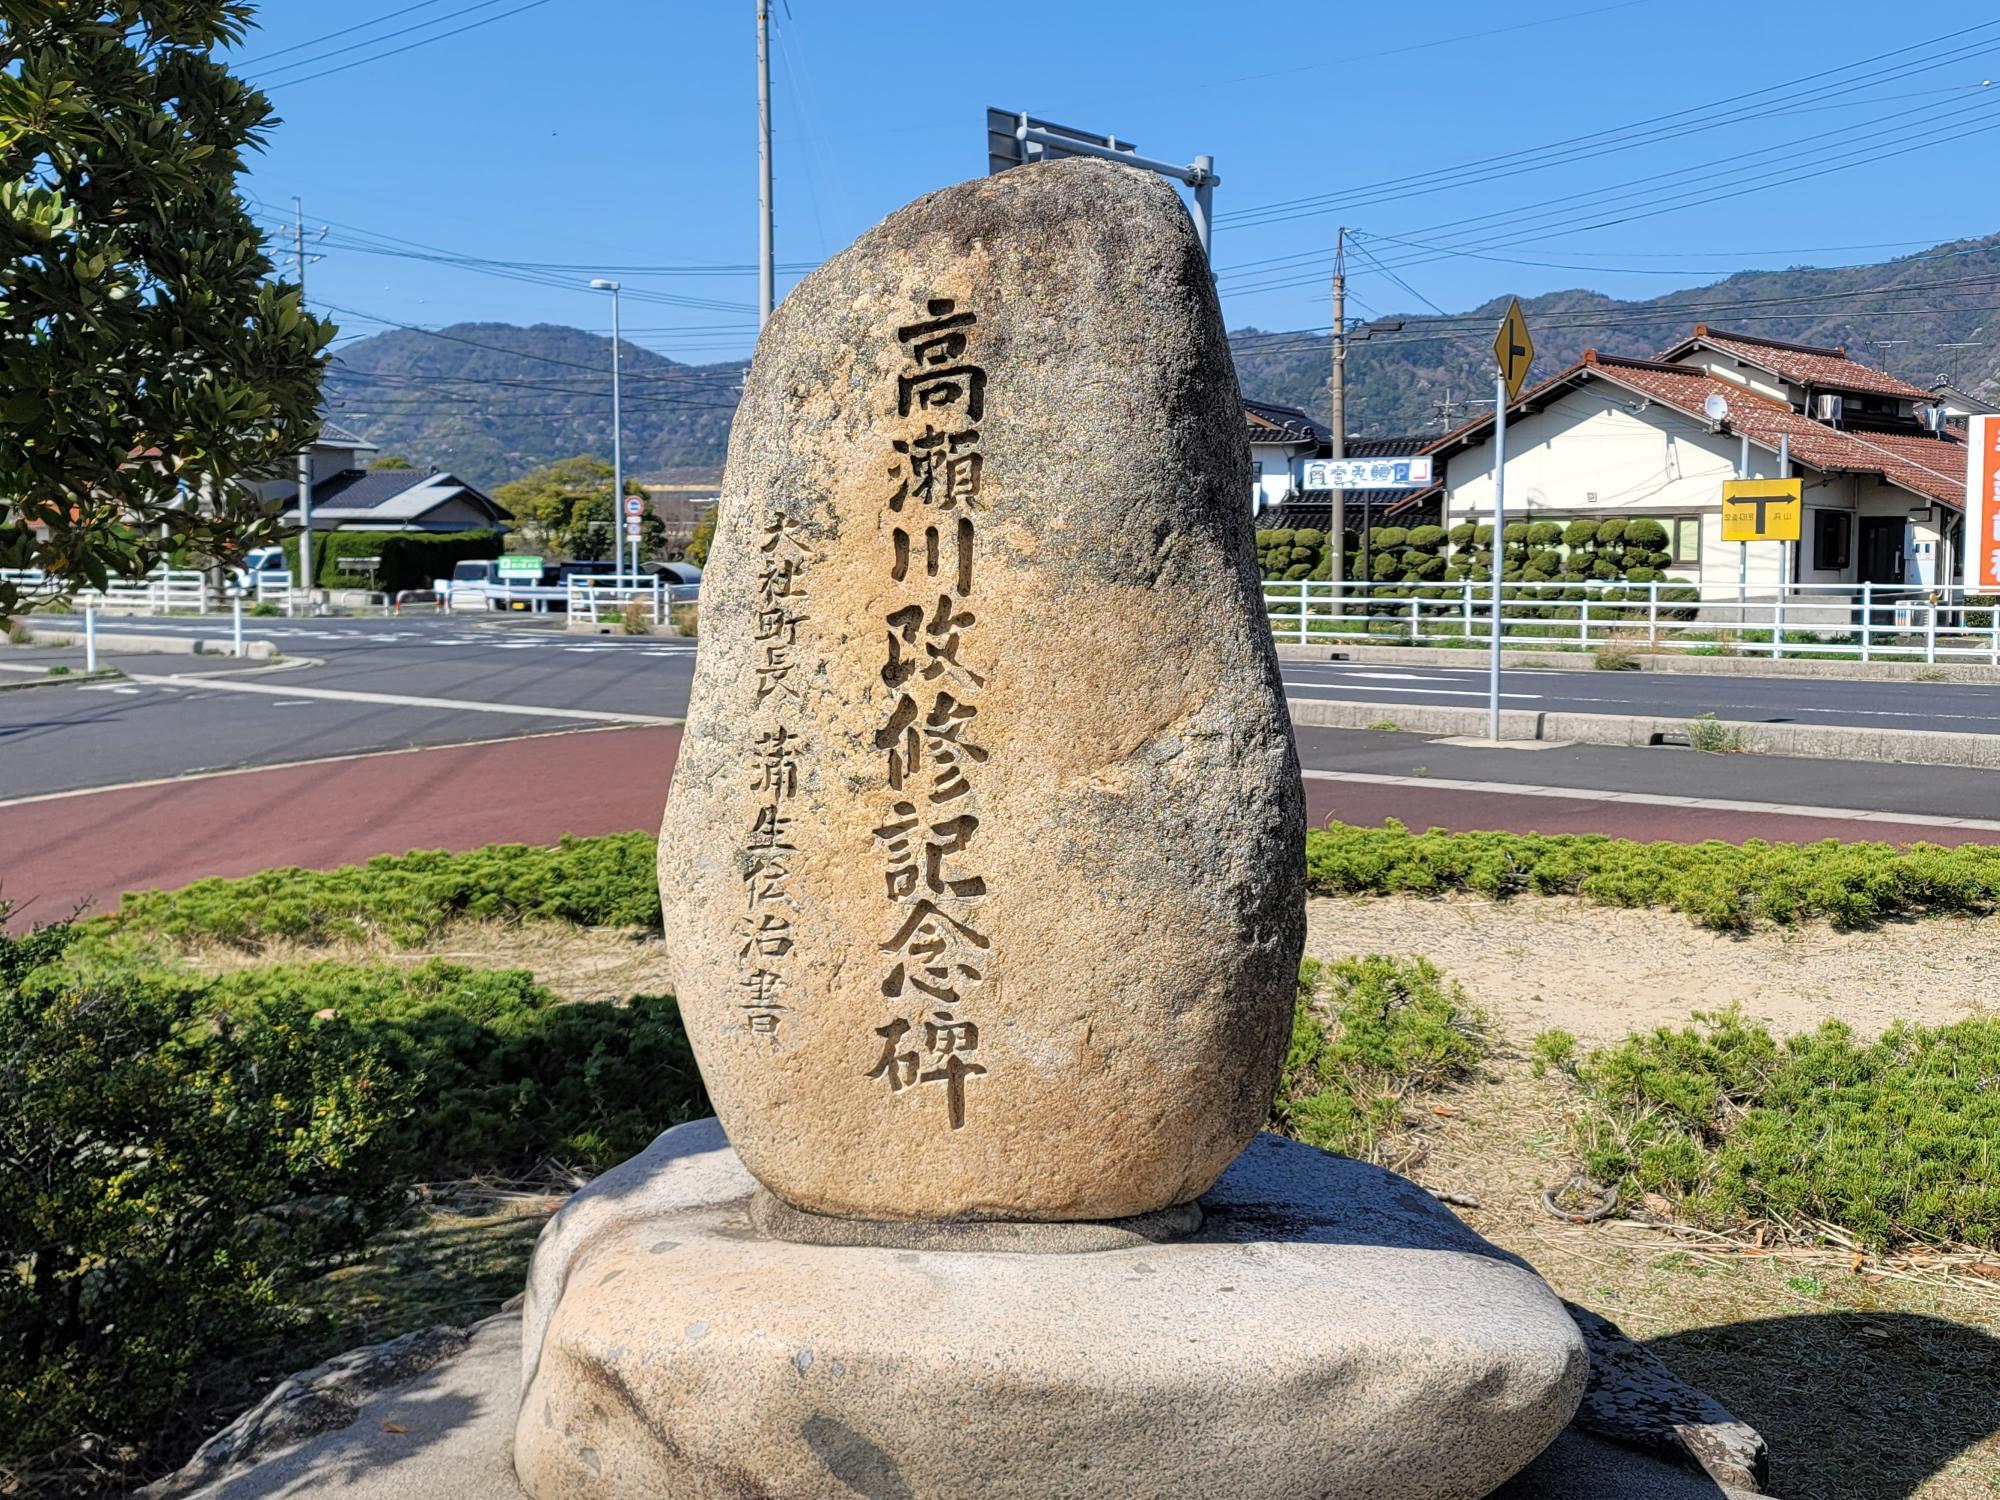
{"type": "Point", "coordinates": [1328, 1330]}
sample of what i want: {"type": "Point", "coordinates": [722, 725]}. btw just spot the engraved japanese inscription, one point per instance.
{"type": "Point", "coordinates": [982, 866]}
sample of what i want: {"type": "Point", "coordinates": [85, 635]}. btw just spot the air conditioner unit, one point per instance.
{"type": "Point", "coordinates": [1827, 408]}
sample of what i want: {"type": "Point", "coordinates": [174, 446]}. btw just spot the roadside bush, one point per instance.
{"type": "Point", "coordinates": [1649, 535]}
{"type": "Point", "coordinates": [1724, 886]}
{"type": "Point", "coordinates": [501, 1076]}
{"type": "Point", "coordinates": [686, 619]}
{"type": "Point", "coordinates": [409, 559]}
{"type": "Point", "coordinates": [166, 1181]}
{"type": "Point", "coordinates": [1543, 534]}
{"type": "Point", "coordinates": [1367, 1034]}
{"type": "Point", "coordinates": [1892, 1140]}
{"type": "Point", "coordinates": [595, 882]}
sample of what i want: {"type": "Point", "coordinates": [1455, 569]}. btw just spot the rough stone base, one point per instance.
{"type": "Point", "coordinates": [447, 1434]}
{"type": "Point", "coordinates": [1330, 1330]}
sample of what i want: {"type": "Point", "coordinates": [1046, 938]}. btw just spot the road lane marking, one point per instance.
{"type": "Point", "coordinates": [1369, 687]}
{"type": "Point", "coordinates": [407, 700]}
{"type": "Point", "coordinates": [1655, 799]}
{"type": "Point", "coordinates": [318, 760]}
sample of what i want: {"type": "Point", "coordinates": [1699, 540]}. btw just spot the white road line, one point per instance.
{"type": "Point", "coordinates": [404, 700]}
{"type": "Point", "coordinates": [1371, 687]}
{"type": "Point", "coordinates": [287, 765]}
{"type": "Point", "coordinates": [293, 703]}
{"type": "Point", "coordinates": [1654, 799]}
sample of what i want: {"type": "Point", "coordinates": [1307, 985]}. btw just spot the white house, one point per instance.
{"type": "Point", "coordinates": [1282, 438]}
{"type": "Point", "coordinates": [1609, 436]}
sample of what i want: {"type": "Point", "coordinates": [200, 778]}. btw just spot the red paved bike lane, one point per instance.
{"type": "Point", "coordinates": [87, 849]}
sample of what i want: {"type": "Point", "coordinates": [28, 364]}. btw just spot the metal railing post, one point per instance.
{"type": "Point", "coordinates": [236, 624]}
{"type": "Point", "coordinates": [1778, 620]}
{"type": "Point", "coordinates": [1930, 631]}
{"type": "Point", "coordinates": [90, 638]}
{"type": "Point", "coordinates": [1867, 617]}
{"type": "Point", "coordinates": [1653, 612]}
{"type": "Point", "coordinates": [1416, 628]}
{"type": "Point", "coordinates": [1304, 584]}
{"type": "Point", "coordinates": [1465, 605]}
{"type": "Point", "coordinates": [1583, 622]}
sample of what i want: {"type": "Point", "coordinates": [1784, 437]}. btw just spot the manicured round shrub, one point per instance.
{"type": "Point", "coordinates": [1421, 566]}
{"type": "Point", "coordinates": [1426, 537]}
{"type": "Point", "coordinates": [1308, 536]}
{"type": "Point", "coordinates": [1385, 567]}
{"type": "Point", "coordinates": [1610, 533]}
{"type": "Point", "coordinates": [1603, 568]}
{"type": "Point", "coordinates": [1283, 538]}
{"type": "Point", "coordinates": [1306, 555]}
{"type": "Point", "coordinates": [1547, 560]}
{"type": "Point", "coordinates": [1389, 536]}
{"type": "Point", "coordinates": [1642, 575]}
{"type": "Point", "coordinates": [1462, 533]}
{"type": "Point", "coordinates": [1648, 534]}
{"type": "Point", "coordinates": [1297, 571]}
{"type": "Point", "coordinates": [1580, 533]}
{"type": "Point", "coordinates": [1517, 531]}
{"type": "Point", "coordinates": [1483, 535]}
{"type": "Point", "coordinates": [1544, 534]}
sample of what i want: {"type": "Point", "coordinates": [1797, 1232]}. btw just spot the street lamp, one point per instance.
{"type": "Point", "coordinates": [599, 284]}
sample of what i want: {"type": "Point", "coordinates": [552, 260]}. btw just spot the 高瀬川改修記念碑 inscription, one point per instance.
{"type": "Point", "coordinates": [938, 962]}
{"type": "Point", "coordinates": [764, 929]}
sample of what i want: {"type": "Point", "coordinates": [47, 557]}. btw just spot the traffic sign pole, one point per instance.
{"type": "Point", "coordinates": [1499, 553]}
{"type": "Point", "coordinates": [1513, 354]}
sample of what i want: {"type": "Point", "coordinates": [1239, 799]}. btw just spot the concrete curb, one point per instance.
{"type": "Point", "coordinates": [117, 643]}
{"type": "Point", "coordinates": [1902, 747]}
{"type": "Point", "coordinates": [68, 679]}
{"type": "Point", "coordinates": [1671, 662]}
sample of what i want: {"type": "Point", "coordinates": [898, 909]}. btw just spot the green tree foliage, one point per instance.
{"type": "Point", "coordinates": [392, 461]}
{"type": "Point", "coordinates": [145, 355]}
{"type": "Point", "coordinates": [565, 508]}
{"type": "Point", "coordinates": [163, 1181]}
{"type": "Point", "coordinates": [703, 538]}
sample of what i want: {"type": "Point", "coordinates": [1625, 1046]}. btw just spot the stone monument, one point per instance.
{"type": "Point", "coordinates": [984, 893]}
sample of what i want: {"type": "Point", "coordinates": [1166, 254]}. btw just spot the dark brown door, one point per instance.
{"type": "Point", "coordinates": [1882, 549]}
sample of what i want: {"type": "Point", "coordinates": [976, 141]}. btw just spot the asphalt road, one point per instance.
{"type": "Point", "coordinates": [1765, 700]}
{"type": "Point", "coordinates": [361, 687]}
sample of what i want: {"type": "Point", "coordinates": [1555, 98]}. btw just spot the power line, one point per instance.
{"type": "Point", "coordinates": [1634, 133]}
{"type": "Point", "coordinates": [253, 62]}
{"type": "Point", "coordinates": [407, 46]}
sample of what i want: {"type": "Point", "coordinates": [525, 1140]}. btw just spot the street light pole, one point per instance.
{"type": "Point", "coordinates": [764, 236]}
{"type": "Point", "coordinates": [617, 445]}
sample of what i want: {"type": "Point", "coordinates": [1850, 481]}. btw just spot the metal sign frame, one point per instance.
{"type": "Point", "coordinates": [1018, 139]}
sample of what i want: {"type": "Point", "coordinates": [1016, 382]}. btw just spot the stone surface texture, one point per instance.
{"type": "Point", "coordinates": [982, 866]}
{"type": "Point", "coordinates": [1635, 1399]}
{"type": "Point", "coordinates": [1330, 1331]}
{"type": "Point", "coordinates": [446, 1434]}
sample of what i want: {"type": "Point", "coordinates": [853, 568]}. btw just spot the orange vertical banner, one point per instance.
{"type": "Point", "coordinates": [1982, 503]}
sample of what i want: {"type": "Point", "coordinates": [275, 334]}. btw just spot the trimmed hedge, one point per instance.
{"type": "Point", "coordinates": [1731, 887]}
{"type": "Point", "coordinates": [409, 559]}
{"type": "Point", "coordinates": [609, 881]}
{"type": "Point", "coordinates": [593, 882]}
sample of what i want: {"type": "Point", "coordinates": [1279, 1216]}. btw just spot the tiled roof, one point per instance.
{"type": "Point", "coordinates": [1270, 422]}
{"type": "Point", "coordinates": [392, 494]}
{"type": "Point", "coordinates": [1812, 365]}
{"type": "Point", "coordinates": [1928, 466]}
{"type": "Point", "coordinates": [333, 435]}
{"type": "Point", "coordinates": [366, 489]}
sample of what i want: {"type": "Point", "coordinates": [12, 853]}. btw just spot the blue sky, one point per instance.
{"type": "Point", "coordinates": [568, 138]}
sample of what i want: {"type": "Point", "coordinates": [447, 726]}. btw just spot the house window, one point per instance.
{"type": "Point", "coordinates": [1833, 531]}
{"type": "Point", "coordinates": [1684, 540]}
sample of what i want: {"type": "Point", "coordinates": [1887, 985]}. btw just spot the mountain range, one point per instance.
{"type": "Point", "coordinates": [489, 401]}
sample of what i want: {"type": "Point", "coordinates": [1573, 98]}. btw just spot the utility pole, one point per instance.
{"type": "Point", "coordinates": [305, 453]}
{"type": "Point", "coordinates": [1337, 553]}
{"type": "Point", "coordinates": [765, 300]}
{"type": "Point", "coordinates": [618, 527]}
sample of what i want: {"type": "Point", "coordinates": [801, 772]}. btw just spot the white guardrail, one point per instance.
{"type": "Point", "coordinates": [1867, 621]}
{"type": "Point", "coordinates": [595, 598]}
{"type": "Point", "coordinates": [160, 592]}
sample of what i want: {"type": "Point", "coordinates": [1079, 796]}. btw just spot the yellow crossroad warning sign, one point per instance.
{"type": "Point", "coordinates": [1513, 347]}
{"type": "Point", "coordinates": [1762, 510]}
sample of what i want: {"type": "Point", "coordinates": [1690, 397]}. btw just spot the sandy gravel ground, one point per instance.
{"type": "Point", "coordinates": [1603, 973]}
